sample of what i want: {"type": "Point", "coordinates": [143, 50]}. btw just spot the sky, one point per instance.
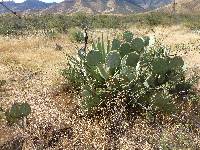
{"type": "Point", "coordinates": [48, 1]}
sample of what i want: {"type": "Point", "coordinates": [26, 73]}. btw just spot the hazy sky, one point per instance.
{"type": "Point", "coordinates": [19, 1]}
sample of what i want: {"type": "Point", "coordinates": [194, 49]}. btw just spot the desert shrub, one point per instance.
{"type": "Point", "coordinates": [106, 21]}
{"type": "Point", "coordinates": [11, 25]}
{"type": "Point", "coordinates": [152, 20]}
{"type": "Point", "coordinates": [130, 73]}
{"type": "Point", "coordinates": [76, 35]}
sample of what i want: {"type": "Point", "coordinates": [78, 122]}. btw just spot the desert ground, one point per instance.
{"type": "Point", "coordinates": [32, 68]}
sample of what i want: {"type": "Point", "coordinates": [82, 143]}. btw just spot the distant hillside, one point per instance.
{"type": "Point", "coordinates": [28, 5]}
{"type": "Point", "coordinates": [107, 6]}
{"type": "Point", "coordinates": [89, 6]}
{"type": "Point", "coordinates": [183, 6]}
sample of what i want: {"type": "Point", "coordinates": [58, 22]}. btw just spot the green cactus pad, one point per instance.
{"type": "Point", "coordinates": [113, 59]}
{"type": "Point", "coordinates": [125, 49]}
{"type": "Point", "coordinates": [20, 110]}
{"type": "Point", "coordinates": [10, 120]}
{"type": "Point", "coordinates": [99, 46]}
{"type": "Point", "coordinates": [25, 109]}
{"type": "Point", "coordinates": [115, 44]}
{"type": "Point", "coordinates": [138, 44]}
{"type": "Point", "coordinates": [160, 66]}
{"type": "Point", "coordinates": [91, 103]}
{"type": "Point", "coordinates": [90, 100]}
{"type": "Point", "coordinates": [94, 57]}
{"type": "Point", "coordinates": [177, 61]}
{"type": "Point", "coordinates": [128, 36]}
{"type": "Point", "coordinates": [132, 59]}
{"type": "Point", "coordinates": [15, 111]}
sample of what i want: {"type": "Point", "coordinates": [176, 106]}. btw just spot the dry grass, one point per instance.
{"type": "Point", "coordinates": [31, 66]}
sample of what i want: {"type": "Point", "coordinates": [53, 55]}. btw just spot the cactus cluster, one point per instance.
{"type": "Point", "coordinates": [146, 75]}
{"type": "Point", "coordinates": [17, 112]}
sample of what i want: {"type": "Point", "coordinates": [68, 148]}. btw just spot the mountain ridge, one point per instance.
{"type": "Point", "coordinates": [88, 6]}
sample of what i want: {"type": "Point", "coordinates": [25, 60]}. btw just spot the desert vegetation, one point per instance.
{"type": "Point", "coordinates": [135, 86]}
{"type": "Point", "coordinates": [60, 23]}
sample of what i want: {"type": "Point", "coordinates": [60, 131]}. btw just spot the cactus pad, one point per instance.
{"type": "Point", "coordinates": [113, 59]}
{"type": "Point", "coordinates": [138, 44]}
{"type": "Point", "coordinates": [94, 57]}
{"type": "Point", "coordinates": [20, 110]}
{"type": "Point", "coordinates": [132, 59]}
{"type": "Point", "coordinates": [160, 66]}
{"type": "Point", "coordinates": [125, 49]}
{"type": "Point", "coordinates": [25, 109]}
{"type": "Point", "coordinates": [175, 62]}
{"type": "Point", "coordinates": [128, 36]}
{"type": "Point", "coordinates": [115, 44]}
{"type": "Point", "coordinates": [15, 111]}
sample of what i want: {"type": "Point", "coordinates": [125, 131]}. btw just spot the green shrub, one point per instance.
{"type": "Point", "coordinates": [154, 19]}
{"type": "Point", "coordinates": [60, 23]}
{"type": "Point", "coordinates": [76, 35]}
{"type": "Point", "coordinates": [143, 78]}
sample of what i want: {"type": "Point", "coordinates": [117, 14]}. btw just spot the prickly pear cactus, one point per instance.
{"type": "Point", "coordinates": [175, 62]}
{"type": "Point", "coordinates": [150, 81]}
{"type": "Point", "coordinates": [94, 57]}
{"type": "Point", "coordinates": [113, 59]}
{"type": "Point", "coordinates": [20, 110]}
{"type": "Point", "coordinates": [115, 44]}
{"type": "Point", "coordinates": [17, 112]}
{"type": "Point", "coordinates": [160, 66]}
{"type": "Point", "coordinates": [128, 36]}
{"type": "Point", "coordinates": [90, 98]}
{"type": "Point", "coordinates": [132, 68]}
{"type": "Point", "coordinates": [25, 109]}
{"type": "Point", "coordinates": [132, 59]}
{"type": "Point", "coordinates": [138, 45]}
{"type": "Point", "coordinates": [125, 49]}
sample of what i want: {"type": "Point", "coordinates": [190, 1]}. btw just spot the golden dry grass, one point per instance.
{"type": "Point", "coordinates": [31, 66]}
